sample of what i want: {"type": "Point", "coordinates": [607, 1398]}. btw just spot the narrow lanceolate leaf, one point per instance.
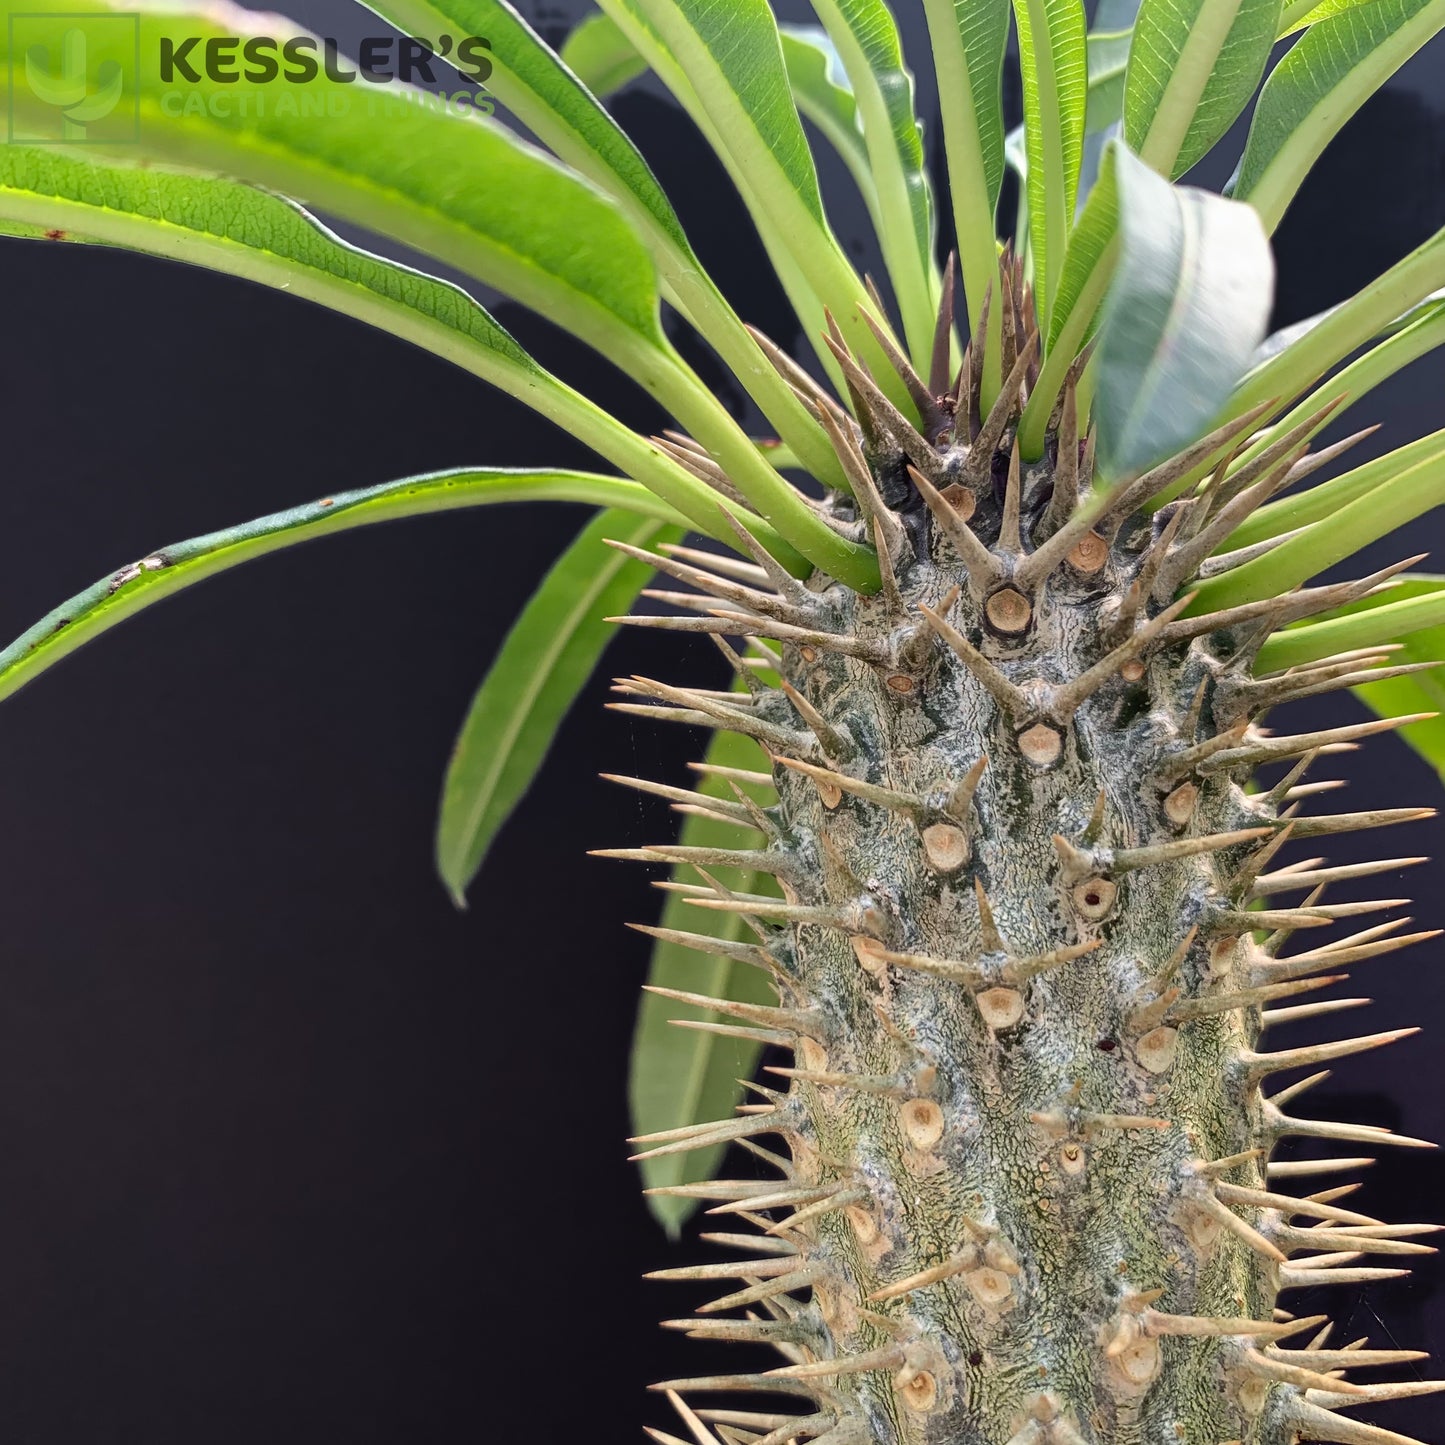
{"type": "Point", "coordinates": [1108, 65]}
{"type": "Point", "coordinates": [1083, 284]}
{"type": "Point", "coordinates": [1334, 67]}
{"type": "Point", "coordinates": [1286, 336]}
{"type": "Point", "coordinates": [1409, 613]}
{"type": "Point", "coordinates": [968, 39]}
{"type": "Point", "coordinates": [1053, 55]}
{"type": "Point", "coordinates": [1372, 311]}
{"type": "Point", "coordinates": [558, 246]}
{"type": "Point", "coordinates": [1190, 265]}
{"type": "Point", "coordinates": [1420, 692]}
{"type": "Point", "coordinates": [868, 43]}
{"type": "Point", "coordinates": [531, 82]}
{"type": "Point", "coordinates": [1192, 68]}
{"type": "Point", "coordinates": [601, 56]}
{"type": "Point", "coordinates": [1418, 337]}
{"type": "Point", "coordinates": [725, 65]}
{"type": "Point", "coordinates": [683, 1076]}
{"type": "Point", "coordinates": [824, 95]}
{"type": "Point", "coordinates": [1316, 503]}
{"type": "Point", "coordinates": [168, 569]}
{"type": "Point", "coordinates": [604, 60]}
{"type": "Point", "coordinates": [534, 85]}
{"type": "Point", "coordinates": [1297, 14]}
{"type": "Point", "coordinates": [1409, 604]}
{"type": "Point", "coordinates": [225, 226]}
{"type": "Point", "coordinates": [244, 232]}
{"type": "Point", "coordinates": [546, 660]}
{"type": "Point", "coordinates": [1345, 531]}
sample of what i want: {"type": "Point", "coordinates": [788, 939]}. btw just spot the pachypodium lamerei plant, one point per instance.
{"type": "Point", "coordinates": [979, 840]}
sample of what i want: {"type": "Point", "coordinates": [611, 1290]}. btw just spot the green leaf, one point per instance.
{"type": "Point", "coordinates": [1314, 504]}
{"type": "Point", "coordinates": [1193, 66]}
{"type": "Point", "coordinates": [1408, 604]}
{"type": "Point", "coordinates": [1411, 614]}
{"type": "Point", "coordinates": [604, 59]}
{"type": "Point", "coordinates": [158, 574]}
{"type": "Point", "coordinates": [683, 1076]}
{"type": "Point", "coordinates": [1108, 64]}
{"type": "Point", "coordinates": [1346, 530]}
{"type": "Point", "coordinates": [1054, 59]}
{"type": "Point", "coordinates": [1088, 269]}
{"type": "Point", "coordinates": [246, 232]}
{"type": "Point", "coordinates": [1408, 612]}
{"type": "Point", "coordinates": [1372, 311]}
{"type": "Point", "coordinates": [1297, 14]}
{"type": "Point", "coordinates": [724, 63]}
{"type": "Point", "coordinates": [824, 95]}
{"type": "Point", "coordinates": [969, 38]}
{"type": "Point", "coordinates": [549, 654]}
{"type": "Point", "coordinates": [1405, 344]}
{"type": "Point", "coordinates": [1329, 73]}
{"type": "Point", "coordinates": [1188, 307]}
{"type": "Point", "coordinates": [1108, 67]}
{"type": "Point", "coordinates": [558, 245]}
{"type": "Point", "coordinates": [530, 80]}
{"type": "Point", "coordinates": [1417, 693]}
{"type": "Point", "coordinates": [1277, 341]}
{"type": "Point", "coordinates": [867, 40]}
{"type": "Point", "coordinates": [601, 56]}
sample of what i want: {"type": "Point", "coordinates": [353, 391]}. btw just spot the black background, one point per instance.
{"type": "Point", "coordinates": [289, 1149]}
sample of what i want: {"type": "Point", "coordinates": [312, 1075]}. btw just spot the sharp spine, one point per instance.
{"type": "Point", "coordinates": [888, 798]}
{"type": "Point", "coordinates": [1315, 1423]}
{"type": "Point", "coordinates": [786, 1020]}
{"type": "Point", "coordinates": [1009, 695]}
{"type": "Point", "coordinates": [983, 567]}
{"type": "Point", "coordinates": [935, 1274]}
{"type": "Point", "coordinates": [1299, 1168]}
{"type": "Point", "coordinates": [749, 953]}
{"type": "Point", "coordinates": [1287, 881]}
{"type": "Point", "coordinates": [1123, 860]}
{"type": "Point", "coordinates": [1257, 1065]}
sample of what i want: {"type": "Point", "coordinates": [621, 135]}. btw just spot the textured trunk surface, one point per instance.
{"type": "Point", "coordinates": [1037, 1123]}
{"type": "Point", "coordinates": [1026, 1196]}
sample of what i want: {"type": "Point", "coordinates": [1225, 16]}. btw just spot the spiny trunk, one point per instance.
{"type": "Point", "coordinates": [1027, 1196]}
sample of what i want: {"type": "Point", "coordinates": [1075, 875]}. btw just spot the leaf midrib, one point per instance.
{"type": "Point", "coordinates": [561, 636]}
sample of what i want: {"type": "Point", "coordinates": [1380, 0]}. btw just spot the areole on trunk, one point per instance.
{"type": "Point", "coordinates": [1026, 955]}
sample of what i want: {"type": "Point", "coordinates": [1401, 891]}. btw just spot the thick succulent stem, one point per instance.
{"type": "Point", "coordinates": [1027, 1198]}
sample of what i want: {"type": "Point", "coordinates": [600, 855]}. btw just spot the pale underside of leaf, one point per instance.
{"type": "Point", "coordinates": [1188, 307]}
{"type": "Point", "coordinates": [969, 38]}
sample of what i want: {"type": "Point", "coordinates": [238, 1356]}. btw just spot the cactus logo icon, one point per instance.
{"type": "Point", "coordinates": [73, 79]}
